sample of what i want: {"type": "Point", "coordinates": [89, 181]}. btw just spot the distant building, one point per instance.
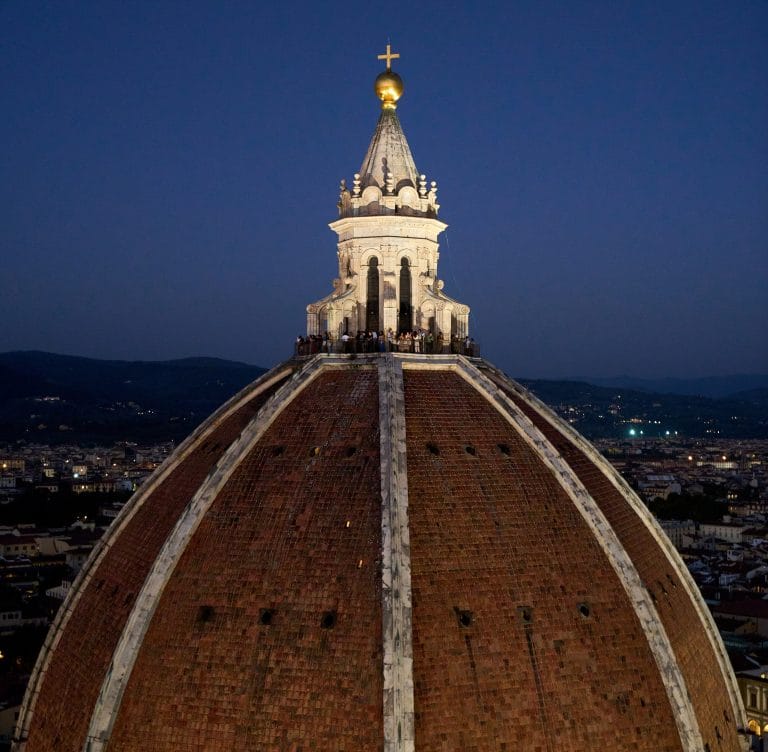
{"type": "Point", "coordinates": [18, 545]}
{"type": "Point", "coordinates": [753, 685]}
{"type": "Point", "coordinates": [678, 531]}
{"type": "Point", "coordinates": [752, 610]}
{"type": "Point", "coordinates": [727, 531]}
{"type": "Point", "coordinates": [15, 465]}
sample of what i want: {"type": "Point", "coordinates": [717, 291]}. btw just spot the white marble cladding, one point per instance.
{"type": "Point", "coordinates": [388, 243]}
{"type": "Point", "coordinates": [388, 249]}
{"type": "Point", "coordinates": [385, 242]}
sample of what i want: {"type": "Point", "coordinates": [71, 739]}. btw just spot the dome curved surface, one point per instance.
{"type": "Point", "coordinates": [393, 552]}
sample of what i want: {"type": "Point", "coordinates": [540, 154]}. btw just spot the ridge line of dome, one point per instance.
{"type": "Point", "coordinates": [91, 566]}
{"type": "Point", "coordinates": [621, 485]}
{"type": "Point", "coordinates": [623, 566]}
{"type": "Point", "coordinates": [396, 606]}
{"type": "Point", "coordinates": [124, 656]}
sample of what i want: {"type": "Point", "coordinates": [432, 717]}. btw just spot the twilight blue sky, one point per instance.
{"type": "Point", "coordinates": [168, 170]}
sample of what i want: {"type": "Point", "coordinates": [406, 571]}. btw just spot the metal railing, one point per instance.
{"type": "Point", "coordinates": [368, 345]}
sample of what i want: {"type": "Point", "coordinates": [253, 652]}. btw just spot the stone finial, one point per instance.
{"type": "Point", "coordinates": [422, 185]}
{"type": "Point", "coordinates": [356, 185]}
{"type": "Point", "coordinates": [433, 192]}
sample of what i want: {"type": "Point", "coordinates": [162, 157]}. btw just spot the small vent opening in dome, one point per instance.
{"type": "Point", "coordinates": [465, 617]}
{"type": "Point", "coordinates": [314, 451]}
{"type": "Point", "coordinates": [266, 616]}
{"type": "Point", "coordinates": [526, 614]}
{"type": "Point", "coordinates": [351, 451]}
{"type": "Point", "coordinates": [211, 447]}
{"type": "Point", "coordinates": [433, 448]}
{"type": "Point", "coordinates": [278, 450]}
{"type": "Point", "coordinates": [672, 580]}
{"type": "Point", "coordinates": [584, 610]}
{"type": "Point", "coordinates": [503, 448]}
{"type": "Point", "coordinates": [205, 614]}
{"type": "Point", "coordinates": [470, 450]}
{"type": "Point", "coordinates": [328, 620]}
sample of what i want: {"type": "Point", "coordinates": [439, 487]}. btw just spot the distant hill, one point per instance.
{"type": "Point", "coordinates": [54, 398]}
{"type": "Point", "coordinates": [599, 411]}
{"type": "Point", "coordinates": [51, 398]}
{"type": "Point", "coordinates": [712, 386]}
{"type": "Point", "coordinates": [756, 397]}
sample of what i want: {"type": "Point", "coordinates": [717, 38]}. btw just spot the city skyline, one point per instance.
{"type": "Point", "coordinates": [168, 178]}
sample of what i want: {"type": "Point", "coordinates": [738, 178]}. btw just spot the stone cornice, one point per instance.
{"type": "Point", "coordinates": [348, 228]}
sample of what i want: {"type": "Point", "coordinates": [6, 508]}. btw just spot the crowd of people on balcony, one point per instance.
{"type": "Point", "coordinates": [418, 341]}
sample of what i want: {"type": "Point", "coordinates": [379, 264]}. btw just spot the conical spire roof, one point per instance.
{"type": "Point", "coordinates": [389, 154]}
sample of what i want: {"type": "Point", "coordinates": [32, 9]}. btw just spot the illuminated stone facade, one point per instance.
{"type": "Point", "coordinates": [388, 248]}
{"type": "Point", "coordinates": [754, 692]}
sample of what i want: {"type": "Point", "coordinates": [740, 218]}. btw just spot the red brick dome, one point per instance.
{"type": "Point", "coordinates": [388, 552]}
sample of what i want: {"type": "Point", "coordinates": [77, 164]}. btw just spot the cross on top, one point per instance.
{"type": "Point", "coordinates": [389, 57]}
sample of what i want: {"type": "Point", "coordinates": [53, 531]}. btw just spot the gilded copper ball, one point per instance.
{"type": "Point", "coordinates": [388, 87]}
